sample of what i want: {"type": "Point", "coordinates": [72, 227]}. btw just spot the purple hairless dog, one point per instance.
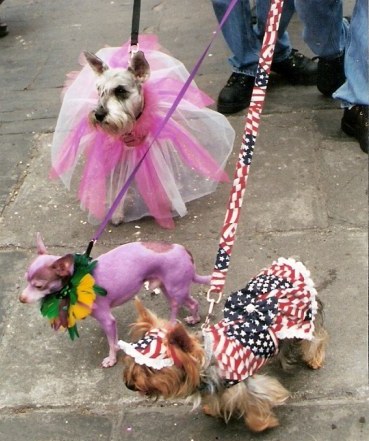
{"type": "Point", "coordinates": [121, 272]}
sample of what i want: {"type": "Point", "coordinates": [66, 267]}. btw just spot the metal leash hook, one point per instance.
{"type": "Point", "coordinates": [134, 47]}
{"type": "Point", "coordinates": [212, 302]}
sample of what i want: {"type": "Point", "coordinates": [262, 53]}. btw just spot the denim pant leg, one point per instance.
{"type": "Point", "coordinates": [283, 45]}
{"type": "Point", "coordinates": [243, 39]}
{"type": "Point", "coordinates": [324, 30]}
{"type": "Point", "coordinates": [356, 88]}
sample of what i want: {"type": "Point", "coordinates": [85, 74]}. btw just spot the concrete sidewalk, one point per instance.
{"type": "Point", "coordinates": [306, 198]}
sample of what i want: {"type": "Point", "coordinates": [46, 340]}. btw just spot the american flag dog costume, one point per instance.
{"type": "Point", "coordinates": [279, 303]}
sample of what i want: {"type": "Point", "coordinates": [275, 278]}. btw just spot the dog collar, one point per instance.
{"type": "Point", "coordinates": [75, 300]}
{"type": "Point", "coordinates": [150, 351]}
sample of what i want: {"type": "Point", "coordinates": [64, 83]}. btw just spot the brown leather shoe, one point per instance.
{"type": "Point", "coordinates": [355, 123]}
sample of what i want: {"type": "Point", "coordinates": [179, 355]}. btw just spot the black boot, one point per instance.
{"type": "Point", "coordinates": [355, 123]}
{"type": "Point", "coordinates": [331, 75]}
{"type": "Point", "coordinates": [3, 29]}
{"type": "Point", "coordinates": [297, 69]}
{"type": "Point", "coordinates": [236, 94]}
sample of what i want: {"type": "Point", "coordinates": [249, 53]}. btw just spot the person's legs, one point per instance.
{"type": "Point", "coordinates": [244, 40]}
{"type": "Point", "coordinates": [354, 93]}
{"type": "Point", "coordinates": [343, 58]}
{"type": "Point", "coordinates": [241, 39]}
{"type": "Point", "coordinates": [239, 35]}
{"type": "Point", "coordinates": [325, 32]}
{"type": "Point", "coordinates": [283, 45]}
{"type": "Point", "coordinates": [355, 88]}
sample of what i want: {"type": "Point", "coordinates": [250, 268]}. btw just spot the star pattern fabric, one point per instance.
{"type": "Point", "coordinates": [278, 303]}
{"type": "Point", "coordinates": [222, 260]}
{"type": "Point", "coordinates": [248, 151]}
{"type": "Point", "coordinates": [261, 79]}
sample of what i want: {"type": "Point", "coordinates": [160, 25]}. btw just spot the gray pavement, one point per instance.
{"type": "Point", "coordinates": [306, 198]}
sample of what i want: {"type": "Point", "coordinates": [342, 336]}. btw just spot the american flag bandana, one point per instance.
{"type": "Point", "coordinates": [150, 351]}
{"type": "Point", "coordinates": [278, 303]}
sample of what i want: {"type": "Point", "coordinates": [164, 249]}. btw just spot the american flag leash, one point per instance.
{"type": "Point", "coordinates": [233, 212]}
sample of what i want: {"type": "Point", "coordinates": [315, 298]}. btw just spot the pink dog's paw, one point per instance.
{"type": "Point", "coordinates": [109, 361]}
{"type": "Point", "coordinates": [191, 320]}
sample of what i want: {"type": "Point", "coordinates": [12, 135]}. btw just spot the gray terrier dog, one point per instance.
{"type": "Point", "coordinates": [120, 104]}
{"type": "Point", "coordinates": [114, 117]}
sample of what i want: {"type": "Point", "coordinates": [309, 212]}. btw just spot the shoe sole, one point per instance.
{"type": "Point", "coordinates": [230, 109]}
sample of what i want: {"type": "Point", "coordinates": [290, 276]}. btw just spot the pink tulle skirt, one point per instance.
{"type": "Point", "coordinates": [184, 163]}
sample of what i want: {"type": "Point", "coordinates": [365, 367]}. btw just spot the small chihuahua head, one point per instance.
{"type": "Point", "coordinates": [170, 367]}
{"type": "Point", "coordinates": [46, 274]}
{"type": "Point", "coordinates": [120, 91]}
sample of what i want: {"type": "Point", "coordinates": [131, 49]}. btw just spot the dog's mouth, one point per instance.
{"type": "Point", "coordinates": [143, 392]}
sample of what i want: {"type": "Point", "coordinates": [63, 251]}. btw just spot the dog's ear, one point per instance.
{"type": "Point", "coordinates": [179, 337]}
{"type": "Point", "coordinates": [187, 354]}
{"type": "Point", "coordinates": [139, 67]}
{"type": "Point", "coordinates": [97, 65]}
{"type": "Point", "coordinates": [41, 249]}
{"type": "Point", "coordinates": [64, 267]}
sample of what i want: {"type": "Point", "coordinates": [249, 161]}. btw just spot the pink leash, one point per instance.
{"type": "Point", "coordinates": [158, 131]}
{"type": "Point", "coordinates": [232, 216]}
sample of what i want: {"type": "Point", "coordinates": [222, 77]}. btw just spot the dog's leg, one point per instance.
{"type": "Point", "coordinates": [108, 324]}
{"type": "Point", "coordinates": [181, 297]}
{"type": "Point", "coordinates": [193, 306]}
{"type": "Point", "coordinates": [211, 405]}
{"type": "Point", "coordinates": [262, 393]}
{"type": "Point", "coordinates": [313, 351]}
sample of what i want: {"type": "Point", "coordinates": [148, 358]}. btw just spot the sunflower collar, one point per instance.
{"type": "Point", "coordinates": [75, 300]}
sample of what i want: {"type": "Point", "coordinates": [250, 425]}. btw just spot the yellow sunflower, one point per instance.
{"type": "Point", "coordinates": [85, 299]}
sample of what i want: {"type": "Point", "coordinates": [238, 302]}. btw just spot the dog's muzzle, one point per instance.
{"type": "Point", "coordinates": [131, 387]}
{"type": "Point", "coordinates": [100, 114]}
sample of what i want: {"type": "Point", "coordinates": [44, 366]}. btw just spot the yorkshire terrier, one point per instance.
{"type": "Point", "coordinates": [276, 314]}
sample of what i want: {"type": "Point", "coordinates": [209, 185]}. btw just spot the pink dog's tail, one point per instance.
{"type": "Point", "coordinates": [202, 280]}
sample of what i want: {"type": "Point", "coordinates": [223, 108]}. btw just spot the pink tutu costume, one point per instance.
{"type": "Point", "coordinates": [184, 163]}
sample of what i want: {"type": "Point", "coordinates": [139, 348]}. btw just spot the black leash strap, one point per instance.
{"type": "Point", "coordinates": [135, 24]}
{"type": "Point", "coordinates": [133, 48]}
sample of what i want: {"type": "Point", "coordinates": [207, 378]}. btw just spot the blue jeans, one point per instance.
{"type": "Point", "coordinates": [328, 35]}
{"type": "Point", "coordinates": [244, 39]}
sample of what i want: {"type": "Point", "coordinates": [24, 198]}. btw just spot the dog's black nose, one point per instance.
{"type": "Point", "coordinates": [100, 114]}
{"type": "Point", "coordinates": [131, 387]}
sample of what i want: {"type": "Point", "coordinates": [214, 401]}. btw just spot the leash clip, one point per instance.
{"type": "Point", "coordinates": [212, 300]}
{"type": "Point", "coordinates": [133, 49]}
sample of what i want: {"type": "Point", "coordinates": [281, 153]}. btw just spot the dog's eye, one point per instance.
{"type": "Point", "coordinates": [121, 92]}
